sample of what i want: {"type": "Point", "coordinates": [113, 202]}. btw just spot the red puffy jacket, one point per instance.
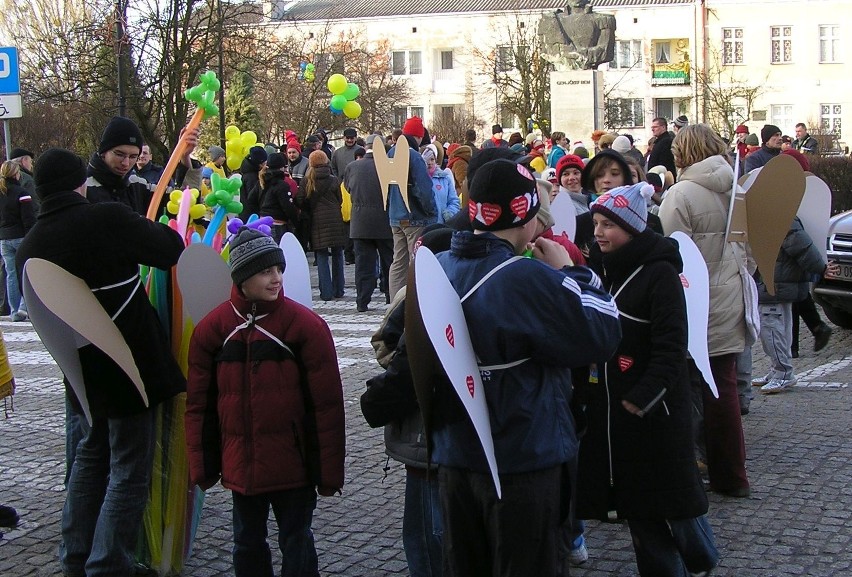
{"type": "Point", "coordinates": [264, 404]}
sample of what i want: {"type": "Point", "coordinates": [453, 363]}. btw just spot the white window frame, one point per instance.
{"type": "Point", "coordinates": [735, 38]}
{"type": "Point", "coordinates": [830, 118]}
{"type": "Point", "coordinates": [408, 65]}
{"type": "Point", "coordinates": [829, 36]}
{"type": "Point", "coordinates": [637, 110]}
{"type": "Point", "coordinates": [628, 54]}
{"type": "Point", "coordinates": [779, 38]}
{"type": "Point", "coordinates": [451, 59]}
{"type": "Point", "coordinates": [782, 115]}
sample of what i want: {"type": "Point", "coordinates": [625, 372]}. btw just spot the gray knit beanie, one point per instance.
{"type": "Point", "coordinates": [252, 252]}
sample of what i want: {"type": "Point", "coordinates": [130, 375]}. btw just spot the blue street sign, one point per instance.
{"type": "Point", "coordinates": [10, 77]}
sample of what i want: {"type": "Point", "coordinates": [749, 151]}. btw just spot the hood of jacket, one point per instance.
{"type": "Point", "coordinates": [645, 248]}
{"type": "Point", "coordinates": [713, 173]}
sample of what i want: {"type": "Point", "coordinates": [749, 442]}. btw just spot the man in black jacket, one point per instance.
{"type": "Point", "coordinates": [661, 154]}
{"type": "Point", "coordinates": [770, 136]}
{"type": "Point", "coordinates": [369, 225]}
{"type": "Point", "coordinates": [104, 244]}
{"type": "Point", "coordinates": [805, 143]}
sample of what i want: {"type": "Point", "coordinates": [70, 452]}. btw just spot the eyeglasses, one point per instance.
{"type": "Point", "coordinates": [121, 156]}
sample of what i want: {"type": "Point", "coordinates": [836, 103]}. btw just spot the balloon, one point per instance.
{"type": "Point", "coordinates": [235, 207]}
{"type": "Point", "coordinates": [310, 67]}
{"type": "Point", "coordinates": [352, 109]}
{"type": "Point", "coordinates": [232, 132]}
{"type": "Point", "coordinates": [248, 139]}
{"type": "Point", "coordinates": [337, 84]}
{"type": "Point", "coordinates": [352, 91]}
{"type": "Point", "coordinates": [204, 94]}
{"type": "Point", "coordinates": [303, 66]}
{"type": "Point", "coordinates": [309, 76]}
{"type": "Point", "coordinates": [335, 110]}
{"type": "Point", "coordinates": [234, 162]}
{"type": "Point", "coordinates": [197, 211]}
{"type": "Point", "coordinates": [338, 101]}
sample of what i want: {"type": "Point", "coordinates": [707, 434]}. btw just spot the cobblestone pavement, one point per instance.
{"type": "Point", "coordinates": [797, 522]}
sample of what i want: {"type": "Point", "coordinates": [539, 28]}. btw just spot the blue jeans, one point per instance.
{"type": "Point", "coordinates": [107, 494]}
{"type": "Point", "coordinates": [330, 283]}
{"type": "Point", "coordinates": [371, 255]}
{"type": "Point", "coordinates": [9, 248]}
{"type": "Point", "coordinates": [673, 548]}
{"type": "Point", "coordinates": [76, 429]}
{"type": "Point", "coordinates": [293, 510]}
{"type": "Point", "coordinates": [422, 529]}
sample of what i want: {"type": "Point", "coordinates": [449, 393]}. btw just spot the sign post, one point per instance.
{"type": "Point", "coordinates": [10, 91]}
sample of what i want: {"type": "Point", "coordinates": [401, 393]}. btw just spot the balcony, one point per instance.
{"type": "Point", "coordinates": [668, 74]}
{"type": "Point", "coordinates": [444, 81]}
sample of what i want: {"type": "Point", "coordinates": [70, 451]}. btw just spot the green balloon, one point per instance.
{"type": "Point", "coordinates": [352, 91]}
{"type": "Point", "coordinates": [338, 101]}
{"type": "Point", "coordinates": [235, 207]}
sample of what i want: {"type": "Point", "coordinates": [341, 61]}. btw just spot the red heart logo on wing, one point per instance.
{"type": "Point", "coordinates": [520, 205]}
{"type": "Point", "coordinates": [437, 187]}
{"type": "Point", "coordinates": [624, 363]}
{"type": "Point", "coordinates": [490, 212]}
{"type": "Point", "coordinates": [450, 337]}
{"type": "Point", "coordinates": [684, 281]}
{"type": "Point", "coordinates": [621, 202]}
{"type": "Point", "coordinates": [469, 382]}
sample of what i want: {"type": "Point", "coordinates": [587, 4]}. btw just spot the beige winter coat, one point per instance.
{"type": "Point", "coordinates": [690, 206]}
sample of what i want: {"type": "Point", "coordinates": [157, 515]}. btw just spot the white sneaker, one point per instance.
{"type": "Point", "coordinates": [760, 381]}
{"type": "Point", "coordinates": [578, 556]}
{"type": "Point", "coordinates": [777, 385]}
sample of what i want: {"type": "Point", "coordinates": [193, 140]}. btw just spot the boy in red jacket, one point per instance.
{"type": "Point", "coordinates": [264, 410]}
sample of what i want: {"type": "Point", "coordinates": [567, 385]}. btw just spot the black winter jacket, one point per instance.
{"type": "Point", "coordinates": [641, 467]}
{"type": "Point", "coordinates": [104, 244]}
{"type": "Point", "coordinates": [278, 198]}
{"type": "Point", "coordinates": [16, 211]}
{"type": "Point", "coordinates": [797, 263]}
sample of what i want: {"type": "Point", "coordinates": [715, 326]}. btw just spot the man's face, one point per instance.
{"type": "Point", "coordinates": [800, 132]}
{"type": "Point", "coordinates": [220, 161]}
{"type": "Point", "coordinates": [741, 136]}
{"type": "Point", "coordinates": [26, 162]}
{"type": "Point", "coordinates": [498, 136]}
{"type": "Point", "coordinates": [292, 154]}
{"type": "Point", "coordinates": [349, 141]}
{"type": "Point", "coordinates": [144, 156]}
{"type": "Point", "coordinates": [658, 128]}
{"type": "Point", "coordinates": [774, 141]}
{"type": "Point", "coordinates": [121, 158]}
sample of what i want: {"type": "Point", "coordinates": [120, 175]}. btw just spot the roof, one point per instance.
{"type": "Point", "coordinates": [336, 10]}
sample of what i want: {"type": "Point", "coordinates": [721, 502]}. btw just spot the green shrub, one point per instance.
{"type": "Point", "coordinates": [836, 171]}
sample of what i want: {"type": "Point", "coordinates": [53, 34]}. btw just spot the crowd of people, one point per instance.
{"type": "Point", "coordinates": [613, 423]}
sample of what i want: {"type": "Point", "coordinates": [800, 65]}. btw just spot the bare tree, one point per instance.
{"type": "Point", "coordinates": [519, 71]}
{"type": "Point", "coordinates": [727, 99]}
{"type": "Point", "coordinates": [452, 127]}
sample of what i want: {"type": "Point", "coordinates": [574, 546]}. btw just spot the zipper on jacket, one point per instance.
{"type": "Point", "coordinates": [247, 413]}
{"type": "Point", "coordinates": [613, 514]}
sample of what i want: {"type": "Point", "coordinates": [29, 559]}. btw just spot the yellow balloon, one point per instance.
{"type": "Point", "coordinates": [232, 132]}
{"type": "Point", "coordinates": [197, 211]}
{"type": "Point", "coordinates": [175, 195]}
{"type": "Point", "coordinates": [337, 83]}
{"type": "Point", "coordinates": [173, 207]}
{"type": "Point", "coordinates": [352, 109]}
{"type": "Point", "coordinates": [194, 192]}
{"type": "Point", "coordinates": [248, 139]}
{"type": "Point", "coordinates": [234, 161]}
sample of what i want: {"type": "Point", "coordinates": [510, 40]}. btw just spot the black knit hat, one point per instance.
{"type": "Point", "coordinates": [350, 133]}
{"type": "Point", "coordinates": [767, 132]}
{"type": "Point", "coordinates": [496, 128]}
{"type": "Point", "coordinates": [586, 179]}
{"type": "Point", "coordinates": [503, 195]}
{"type": "Point", "coordinates": [58, 170]}
{"type": "Point", "coordinates": [276, 160]}
{"type": "Point", "coordinates": [120, 131]}
{"type": "Point", "coordinates": [252, 252]}
{"type": "Point", "coordinates": [257, 156]}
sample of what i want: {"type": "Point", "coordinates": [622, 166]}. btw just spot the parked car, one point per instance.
{"type": "Point", "coordinates": [835, 294]}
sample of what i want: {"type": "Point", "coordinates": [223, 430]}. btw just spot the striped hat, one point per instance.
{"type": "Point", "coordinates": [252, 252]}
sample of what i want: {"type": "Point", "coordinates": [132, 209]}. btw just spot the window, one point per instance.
{"type": "Point", "coordinates": [414, 66]}
{"type": "Point", "coordinates": [631, 111]}
{"type": "Point", "coordinates": [830, 115]}
{"type": "Point", "coordinates": [398, 64]}
{"type": "Point", "coordinates": [415, 111]}
{"type": "Point", "coordinates": [507, 118]}
{"type": "Point", "coordinates": [829, 43]}
{"type": "Point", "coordinates": [782, 44]}
{"type": "Point", "coordinates": [505, 58]}
{"type": "Point", "coordinates": [664, 107]}
{"type": "Point", "coordinates": [401, 58]}
{"type": "Point", "coordinates": [400, 115]}
{"type": "Point", "coordinates": [447, 112]}
{"type": "Point", "coordinates": [662, 52]}
{"type": "Point", "coordinates": [628, 53]}
{"type": "Point", "coordinates": [446, 60]}
{"type": "Point", "coordinates": [781, 115]}
{"type": "Point", "coordinates": [732, 46]}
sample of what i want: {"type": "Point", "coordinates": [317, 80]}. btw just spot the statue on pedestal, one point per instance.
{"type": "Point", "coordinates": [578, 39]}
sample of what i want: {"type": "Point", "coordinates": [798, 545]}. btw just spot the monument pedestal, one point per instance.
{"type": "Point", "coordinates": [576, 103]}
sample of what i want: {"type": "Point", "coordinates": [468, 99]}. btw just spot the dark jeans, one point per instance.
{"type": "Point", "coordinates": [673, 548]}
{"type": "Point", "coordinates": [809, 313]}
{"type": "Point", "coordinates": [422, 528]}
{"type": "Point", "coordinates": [367, 252]}
{"type": "Point", "coordinates": [720, 422]}
{"type": "Point", "coordinates": [514, 536]}
{"type": "Point", "coordinates": [293, 510]}
{"type": "Point", "coordinates": [331, 282]}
